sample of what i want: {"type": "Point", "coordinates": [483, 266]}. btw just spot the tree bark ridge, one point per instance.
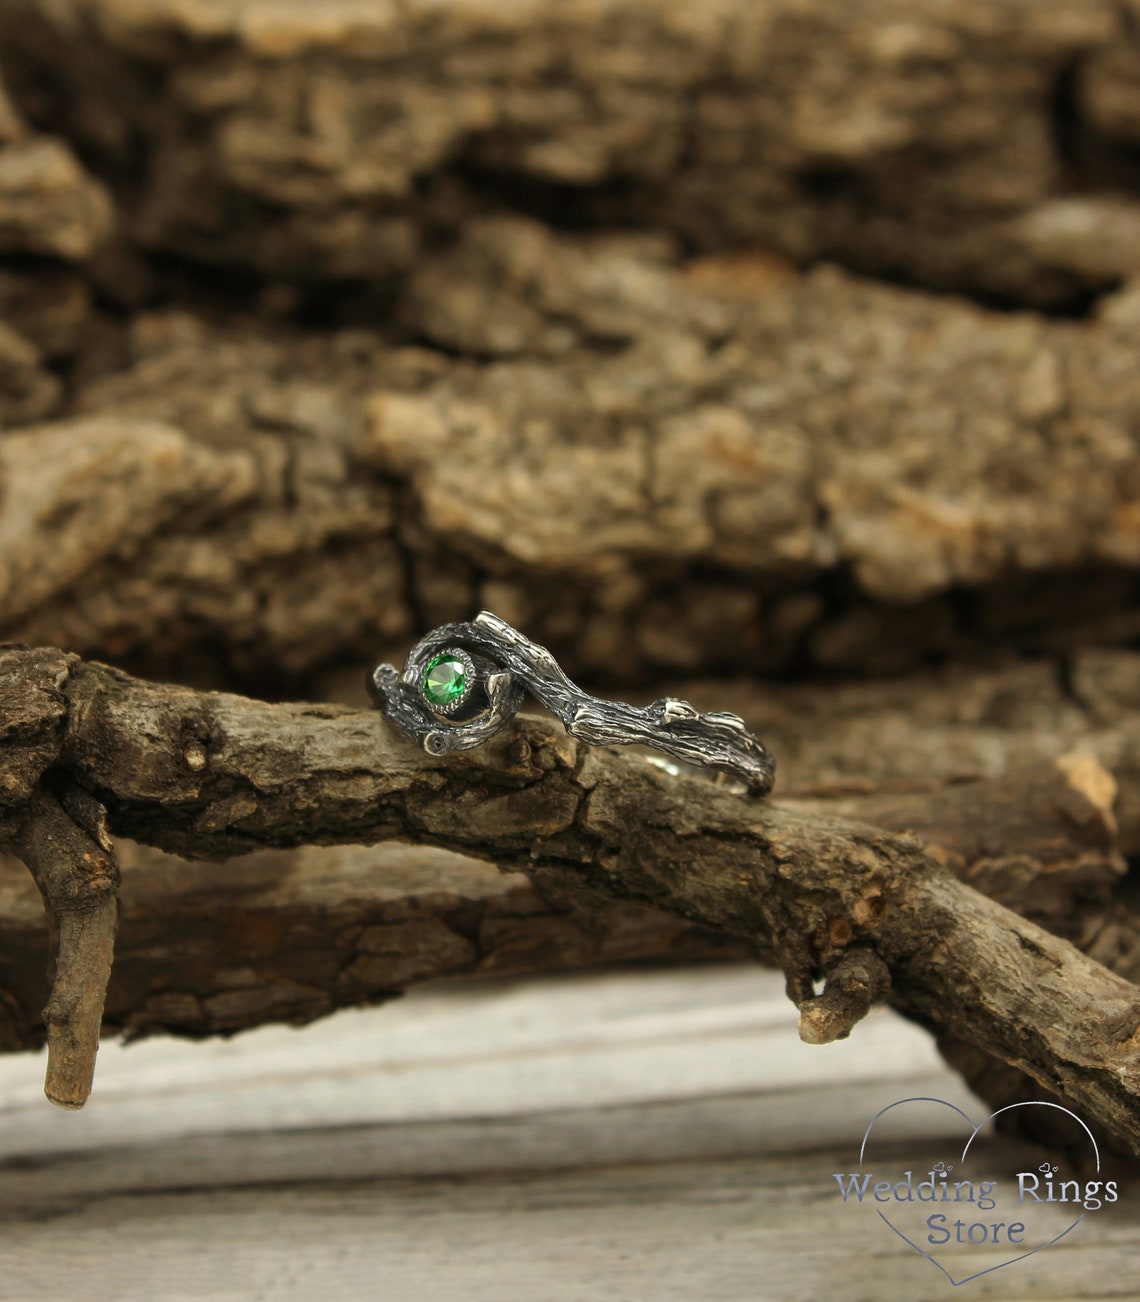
{"type": "Point", "coordinates": [978, 148]}
{"type": "Point", "coordinates": [299, 499]}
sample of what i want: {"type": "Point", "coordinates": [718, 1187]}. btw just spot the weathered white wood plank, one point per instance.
{"type": "Point", "coordinates": [471, 1050]}
{"type": "Point", "coordinates": [753, 1125]}
{"type": "Point", "coordinates": [650, 1135]}
{"type": "Point", "coordinates": [722, 1232]}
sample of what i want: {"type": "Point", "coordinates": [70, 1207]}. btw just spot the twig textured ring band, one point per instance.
{"type": "Point", "coordinates": [462, 683]}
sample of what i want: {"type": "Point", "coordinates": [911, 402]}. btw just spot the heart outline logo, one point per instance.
{"type": "Point", "coordinates": [975, 1129]}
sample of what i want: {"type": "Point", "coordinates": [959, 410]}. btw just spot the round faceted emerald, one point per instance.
{"type": "Point", "coordinates": [444, 680]}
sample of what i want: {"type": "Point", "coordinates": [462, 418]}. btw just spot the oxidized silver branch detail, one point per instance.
{"type": "Point", "coordinates": [462, 683]}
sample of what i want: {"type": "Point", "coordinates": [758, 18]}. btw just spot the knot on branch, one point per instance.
{"type": "Point", "coordinates": [859, 980]}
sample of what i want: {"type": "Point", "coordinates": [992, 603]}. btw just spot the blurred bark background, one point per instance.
{"type": "Point", "coordinates": [779, 353]}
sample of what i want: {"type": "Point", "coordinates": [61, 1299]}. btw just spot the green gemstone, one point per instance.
{"type": "Point", "coordinates": [445, 680]}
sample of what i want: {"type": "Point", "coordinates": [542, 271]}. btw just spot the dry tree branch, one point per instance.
{"type": "Point", "coordinates": [211, 776]}
{"type": "Point", "coordinates": [211, 948]}
{"type": "Point", "coordinates": [858, 981]}
{"type": "Point", "coordinates": [65, 844]}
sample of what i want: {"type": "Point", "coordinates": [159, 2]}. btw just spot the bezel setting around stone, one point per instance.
{"type": "Point", "coordinates": [456, 703]}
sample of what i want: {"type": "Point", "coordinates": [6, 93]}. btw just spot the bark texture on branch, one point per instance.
{"type": "Point", "coordinates": [54, 217]}
{"type": "Point", "coordinates": [291, 935]}
{"type": "Point", "coordinates": [813, 470]}
{"type": "Point", "coordinates": [210, 775]}
{"type": "Point", "coordinates": [956, 724]}
{"type": "Point", "coordinates": [280, 933]}
{"type": "Point", "coordinates": [979, 147]}
{"type": "Point", "coordinates": [209, 948]}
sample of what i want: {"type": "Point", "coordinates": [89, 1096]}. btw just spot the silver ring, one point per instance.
{"type": "Point", "coordinates": [462, 683]}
